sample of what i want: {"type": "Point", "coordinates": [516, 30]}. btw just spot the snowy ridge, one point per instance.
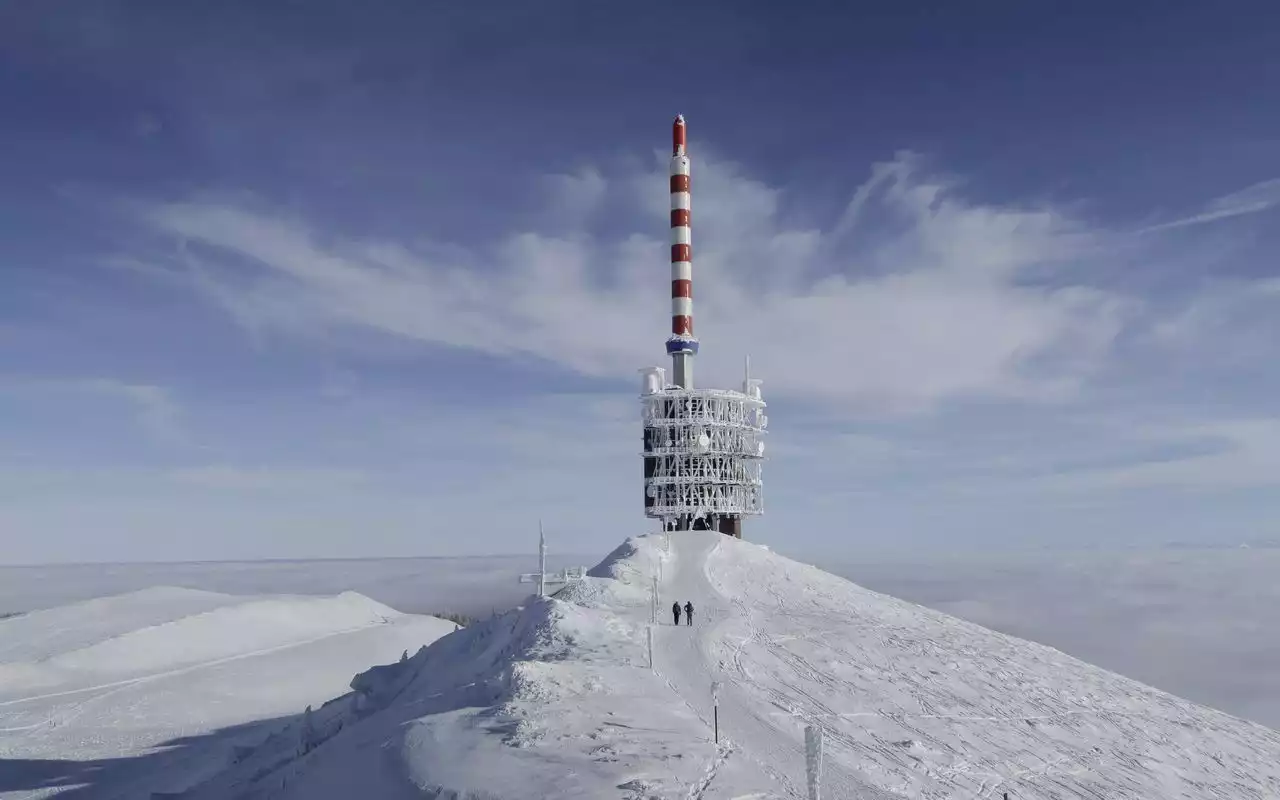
{"type": "Point", "coordinates": [39, 635]}
{"type": "Point", "coordinates": [556, 699]}
{"type": "Point", "coordinates": [157, 630]}
{"type": "Point", "coordinates": [505, 708]}
{"type": "Point", "coordinates": [89, 690]}
{"type": "Point", "coordinates": [228, 630]}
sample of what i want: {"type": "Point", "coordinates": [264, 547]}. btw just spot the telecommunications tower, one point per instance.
{"type": "Point", "coordinates": [703, 448]}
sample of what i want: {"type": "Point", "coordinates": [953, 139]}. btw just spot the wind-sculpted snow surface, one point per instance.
{"type": "Point", "coordinates": [40, 635]}
{"type": "Point", "coordinates": [557, 699]}
{"type": "Point", "coordinates": [91, 693]}
{"type": "Point", "coordinates": [926, 705]}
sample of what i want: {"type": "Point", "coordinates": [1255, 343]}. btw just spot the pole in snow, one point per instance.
{"type": "Point", "coordinates": [715, 708]}
{"type": "Point", "coordinates": [542, 561]}
{"type": "Point", "coordinates": [650, 637]}
{"type": "Point", "coordinates": [813, 760]}
{"type": "Point", "coordinates": [653, 606]}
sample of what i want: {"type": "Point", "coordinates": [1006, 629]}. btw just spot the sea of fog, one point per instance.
{"type": "Point", "coordinates": [1197, 623]}
{"type": "Point", "coordinates": [471, 586]}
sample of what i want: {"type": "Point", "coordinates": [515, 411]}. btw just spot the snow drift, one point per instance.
{"type": "Point", "coordinates": [39, 635]}
{"type": "Point", "coordinates": [104, 682]}
{"type": "Point", "coordinates": [557, 699]}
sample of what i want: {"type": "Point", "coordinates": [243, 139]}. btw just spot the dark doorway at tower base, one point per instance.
{"type": "Point", "coordinates": [729, 525]}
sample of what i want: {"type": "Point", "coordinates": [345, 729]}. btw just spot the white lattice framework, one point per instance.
{"type": "Point", "coordinates": [703, 451]}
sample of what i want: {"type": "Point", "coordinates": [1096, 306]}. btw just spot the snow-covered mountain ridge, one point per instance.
{"type": "Point", "coordinates": [153, 690]}
{"type": "Point", "coordinates": [557, 699]}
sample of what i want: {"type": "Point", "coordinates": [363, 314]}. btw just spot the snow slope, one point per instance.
{"type": "Point", "coordinates": [84, 688]}
{"type": "Point", "coordinates": [556, 699]}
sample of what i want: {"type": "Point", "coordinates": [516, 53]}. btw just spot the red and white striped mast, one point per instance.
{"type": "Point", "coordinates": [682, 344]}
{"type": "Point", "coordinates": [702, 447]}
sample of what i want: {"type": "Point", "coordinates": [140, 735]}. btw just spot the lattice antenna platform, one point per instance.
{"type": "Point", "coordinates": [703, 452]}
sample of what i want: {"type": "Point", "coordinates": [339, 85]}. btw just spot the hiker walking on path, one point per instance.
{"type": "Point", "coordinates": [688, 613]}
{"type": "Point", "coordinates": [675, 611]}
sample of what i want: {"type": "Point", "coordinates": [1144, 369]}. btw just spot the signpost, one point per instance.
{"type": "Point", "coordinates": [542, 577]}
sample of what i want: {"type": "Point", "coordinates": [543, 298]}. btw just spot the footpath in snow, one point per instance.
{"type": "Point", "coordinates": [557, 700]}
{"type": "Point", "coordinates": [716, 648]}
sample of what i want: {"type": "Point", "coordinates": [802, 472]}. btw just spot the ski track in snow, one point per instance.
{"type": "Point", "coordinates": [699, 789]}
{"type": "Point", "coordinates": [928, 685]}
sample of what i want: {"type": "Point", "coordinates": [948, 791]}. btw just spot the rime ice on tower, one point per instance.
{"type": "Point", "coordinates": [703, 448]}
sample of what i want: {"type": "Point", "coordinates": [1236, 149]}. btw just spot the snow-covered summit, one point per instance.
{"type": "Point", "coordinates": [557, 699]}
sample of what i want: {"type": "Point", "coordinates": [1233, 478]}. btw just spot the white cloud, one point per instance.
{"type": "Point", "coordinates": [1245, 454]}
{"type": "Point", "coordinates": [157, 412]}
{"type": "Point", "coordinates": [913, 299]}
{"type": "Point", "coordinates": [1225, 323]}
{"type": "Point", "coordinates": [153, 407]}
{"type": "Point", "coordinates": [942, 303]}
{"type": "Point", "coordinates": [1261, 196]}
{"type": "Point", "coordinates": [573, 199]}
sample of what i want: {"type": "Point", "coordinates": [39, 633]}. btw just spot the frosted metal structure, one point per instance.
{"type": "Point", "coordinates": [703, 448]}
{"type": "Point", "coordinates": [542, 577]}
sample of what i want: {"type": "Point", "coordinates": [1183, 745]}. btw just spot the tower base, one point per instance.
{"type": "Point", "coordinates": [731, 526]}
{"type": "Point", "coordinates": [728, 524]}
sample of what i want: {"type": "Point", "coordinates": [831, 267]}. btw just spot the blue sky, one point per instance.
{"type": "Point", "coordinates": [325, 280]}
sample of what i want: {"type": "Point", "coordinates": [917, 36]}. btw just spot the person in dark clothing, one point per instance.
{"type": "Point", "coordinates": [675, 611]}
{"type": "Point", "coordinates": [688, 613]}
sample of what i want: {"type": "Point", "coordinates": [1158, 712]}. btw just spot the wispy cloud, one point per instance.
{"type": "Point", "coordinates": [1228, 454]}
{"type": "Point", "coordinates": [1254, 199]}
{"type": "Point", "coordinates": [944, 303]}
{"type": "Point", "coordinates": [156, 410]}
{"type": "Point", "coordinates": [153, 407]}
{"type": "Point", "coordinates": [1226, 322]}
{"type": "Point", "coordinates": [928, 356]}
{"type": "Point", "coordinates": [573, 199]}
